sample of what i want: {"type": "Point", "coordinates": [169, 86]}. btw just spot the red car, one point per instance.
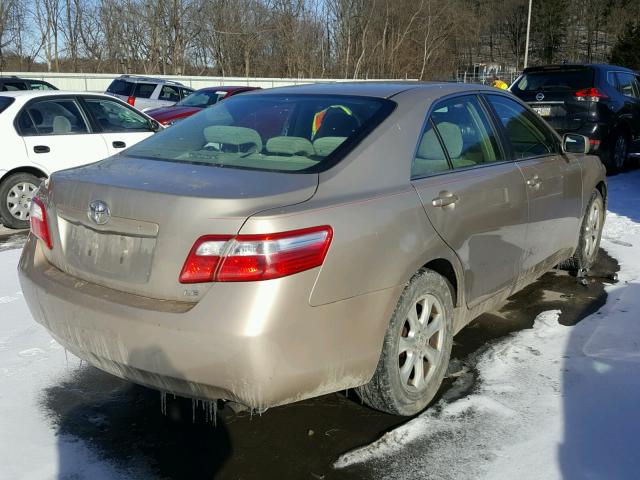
{"type": "Point", "coordinates": [194, 103]}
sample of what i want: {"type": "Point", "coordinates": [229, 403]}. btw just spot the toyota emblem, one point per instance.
{"type": "Point", "coordinates": [99, 212]}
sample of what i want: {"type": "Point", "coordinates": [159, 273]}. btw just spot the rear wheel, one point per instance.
{"type": "Point", "coordinates": [16, 193]}
{"type": "Point", "coordinates": [416, 348]}
{"type": "Point", "coordinates": [618, 152]}
{"type": "Point", "coordinates": [590, 235]}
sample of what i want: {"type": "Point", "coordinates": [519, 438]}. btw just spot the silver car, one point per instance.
{"type": "Point", "coordinates": [147, 92]}
{"type": "Point", "coordinates": [290, 243]}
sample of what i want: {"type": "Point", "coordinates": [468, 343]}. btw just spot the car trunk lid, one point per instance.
{"type": "Point", "coordinates": [156, 211]}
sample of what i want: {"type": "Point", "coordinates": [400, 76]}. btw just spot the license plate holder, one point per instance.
{"type": "Point", "coordinates": [542, 111]}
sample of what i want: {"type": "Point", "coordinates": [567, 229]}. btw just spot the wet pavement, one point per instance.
{"type": "Point", "coordinates": [10, 239]}
{"type": "Point", "coordinates": [123, 423]}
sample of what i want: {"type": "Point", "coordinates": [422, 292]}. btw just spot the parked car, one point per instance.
{"type": "Point", "coordinates": [601, 102]}
{"type": "Point", "coordinates": [283, 245]}
{"type": "Point", "coordinates": [203, 98]}
{"type": "Point", "coordinates": [42, 132]}
{"type": "Point", "coordinates": [10, 84]}
{"type": "Point", "coordinates": [147, 92]}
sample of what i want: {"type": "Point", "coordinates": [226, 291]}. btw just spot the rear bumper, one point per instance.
{"type": "Point", "coordinates": [260, 344]}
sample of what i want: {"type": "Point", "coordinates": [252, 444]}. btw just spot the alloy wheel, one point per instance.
{"type": "Point", "coordinates": [421, 343]}
{"type": "Point", "coordinates": [592, 230]}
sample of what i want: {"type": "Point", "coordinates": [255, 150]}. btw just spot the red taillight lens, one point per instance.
{"type": "Point", "coordinates": [247, 258]}
{"type": "Point", "coordinates": [131, 101]}
{"type": "Point", "coordinates": [203, 259]}
{"type": "Point", "coordinates": [39, 223]}
{"type": "Point", "coordinates": [590, 95]}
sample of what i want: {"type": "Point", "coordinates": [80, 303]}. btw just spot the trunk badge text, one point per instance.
{"type": "Point", "coordinates": [98, 212]}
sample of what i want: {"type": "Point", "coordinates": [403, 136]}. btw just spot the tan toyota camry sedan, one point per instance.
{"type": "Point", "coordinates": [298, 241]}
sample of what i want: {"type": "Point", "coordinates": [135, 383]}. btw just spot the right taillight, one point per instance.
{"type": "Point", "coordinates": [590, 95]}
{"type": "Point", "coordinates": [39, 223]}
{"type": "Point", "coordinates": [131, 101]}
{"type": "Point", "coordinates": [247, 258]}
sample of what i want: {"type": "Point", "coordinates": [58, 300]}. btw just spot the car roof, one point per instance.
{"type": "Point", "coordinates": [141, 78]}
{"type": "Point", "coordinates": [227, 88]}
{"type": "Point", "coordinates": [560, 66]}
{"type": "Point", "coordinates": [49, 93]}
{"type": "Point", "coordinates": [379, 89]}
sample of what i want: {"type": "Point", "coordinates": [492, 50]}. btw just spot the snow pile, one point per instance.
{"type": "Point", "coordinates": [30, 361]}
{"type": "Point", "coordinates": [552, 402]}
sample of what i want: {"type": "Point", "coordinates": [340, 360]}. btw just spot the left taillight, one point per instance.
{"type": "Point", "coordinates": [247, 258]}
{"type": "Point", "coordinates": [39, 222]}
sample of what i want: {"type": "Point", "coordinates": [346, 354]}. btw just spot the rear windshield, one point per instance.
{"type": "Point", "coordinates": [121, 87]}
{"type": "Point", "coordinates": [547, 80]}
{"type": "Point", "coordinates": [14, 86]}
{"type": "Point", "coordinates": [292, 133]}
{"type": "Point", "coordinates": [4, 103]}
{"type": "Point", "coordinates": [202, 99]}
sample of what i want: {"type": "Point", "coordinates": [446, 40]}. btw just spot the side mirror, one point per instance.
{"type": "Point", "coordinates": [154, 125]}
{"type": "Point", "coordinates": [574, 143]}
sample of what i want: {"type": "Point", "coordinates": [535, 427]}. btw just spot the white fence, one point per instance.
{"type": "Point", "coordinates": [98, 82]}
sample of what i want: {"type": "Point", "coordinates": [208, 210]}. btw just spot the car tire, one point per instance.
{"type": "Point", "coordinates": [416, 349]}
{"type": "Point", "coordinates": [618, 152]}
{"type": "Point", "coordinates": [16, 192]}
{"type": "Point", "coordinates": [590, 236]}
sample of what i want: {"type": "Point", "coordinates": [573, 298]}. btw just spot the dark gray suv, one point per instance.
{"type": "Point", "coordinates": [601, 102]}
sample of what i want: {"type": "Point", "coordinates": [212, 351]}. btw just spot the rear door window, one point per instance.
{"type": "Point", "coordinates": [52, 117]}
{"type": "Point", "coordinates": [430, 157]}
{"type": "Point", "coordinates": [121, 87]}
{"type": "Point", "coordinates": [114, 117]}
{"type": "Point", "coordinates": [627, 85]}
{"type": "Point", "coordinates": [144, 90]}
{"type": "Point", "coordinates": [526, 134]}
{"type": "Point", "coordinates": [467, 133]}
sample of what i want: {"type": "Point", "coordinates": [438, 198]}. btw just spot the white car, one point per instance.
{"type": "Point", "coordinates": [45, 131]}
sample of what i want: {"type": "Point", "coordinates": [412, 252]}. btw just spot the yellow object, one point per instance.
{"type": "Point", "coordinates": [499, 84]}
{"type": "Point", "coordinates": [319, 117]}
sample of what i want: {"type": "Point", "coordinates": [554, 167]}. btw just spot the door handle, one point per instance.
{"type": "Point", "coordinates": [444, 198]}
{"type": "Point", "coordinates": [118, 144]}
{"type": "Point", "coordinates": [534, 182]}
{"type": "Point", "coordinates": [41, 149]}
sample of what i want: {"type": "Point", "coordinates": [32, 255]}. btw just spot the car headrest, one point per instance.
{"type": "Point", "coordinates": [290, 146]}
{"type": "Point", "coordinates": [238, 136]}
{"type": "Point", "coordinates": [61, 125]}
{"type": "Point", "coordinates": [326, 145]}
